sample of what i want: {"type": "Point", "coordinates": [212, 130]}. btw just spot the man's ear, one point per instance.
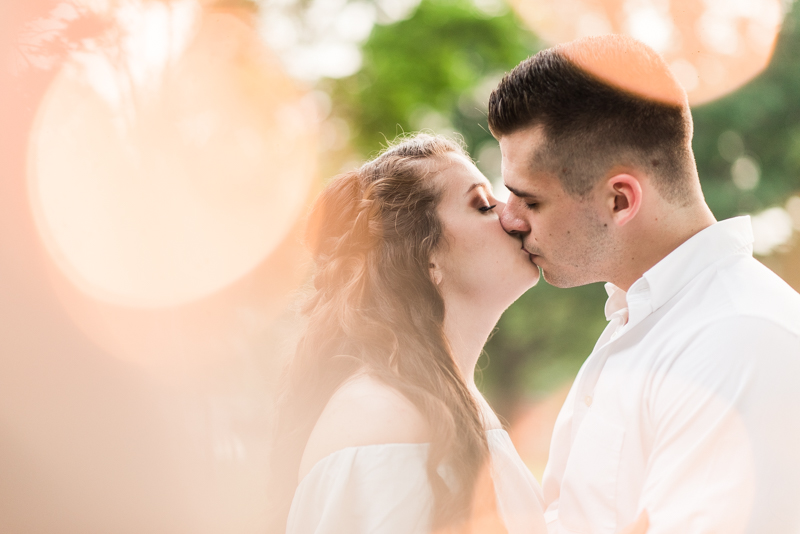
{"type": "Point", "coordinates": [435, 272]}
{"type": "Point", "coordinates": [624, 193]}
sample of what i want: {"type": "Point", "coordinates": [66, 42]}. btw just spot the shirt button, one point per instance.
{"type": "Point", "coordinates": [587, 400]}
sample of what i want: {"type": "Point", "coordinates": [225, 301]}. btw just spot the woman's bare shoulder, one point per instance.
{"type": "Point", "coordinates": [363, 411]}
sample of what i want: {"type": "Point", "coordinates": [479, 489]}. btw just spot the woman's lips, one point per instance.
{"type": "Point", "coordinates": [531, 256]}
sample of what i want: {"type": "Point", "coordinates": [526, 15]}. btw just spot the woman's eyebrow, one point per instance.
{"type": "Point", "coordinates": [476, 185]}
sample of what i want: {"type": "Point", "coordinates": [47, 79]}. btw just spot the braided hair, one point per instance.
{"type": "Point", "coordinates": [372, 233]}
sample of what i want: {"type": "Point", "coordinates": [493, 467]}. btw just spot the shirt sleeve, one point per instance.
{"type": "Point", "coordinates": [725, 453]}
{"type": "Point", "coordinates": [380, 489]}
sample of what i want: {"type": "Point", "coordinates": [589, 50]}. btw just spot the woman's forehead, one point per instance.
{"type": "Point", "coordinates": [457, 175]}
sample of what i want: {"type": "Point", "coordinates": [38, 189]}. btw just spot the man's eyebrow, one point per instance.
{"type": "Point", "coordinates": [519, 193]}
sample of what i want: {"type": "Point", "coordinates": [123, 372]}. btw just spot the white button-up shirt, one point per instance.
{"type": "Point", "coordinates": [689, 405]}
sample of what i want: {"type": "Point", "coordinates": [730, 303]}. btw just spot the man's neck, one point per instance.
{"type": "Point", "coordinates": [655, 238]}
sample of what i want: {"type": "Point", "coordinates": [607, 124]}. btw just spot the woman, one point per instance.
{"type": "Point", "coordinates": [381, 427]}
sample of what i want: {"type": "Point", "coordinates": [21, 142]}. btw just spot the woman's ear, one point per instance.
{"type": "Point", "coordinates": [624, 197]}
{"type": "Point", "coordinates": [435, 272]}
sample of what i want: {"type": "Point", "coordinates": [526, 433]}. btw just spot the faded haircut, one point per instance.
{"type": "Point", "coordinates": [600, 102]}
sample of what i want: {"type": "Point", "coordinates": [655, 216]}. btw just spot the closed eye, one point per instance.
{"type": "Point", "coordinates": [484, 209]}
{"type": "Point", "coordinates": [529, 199]}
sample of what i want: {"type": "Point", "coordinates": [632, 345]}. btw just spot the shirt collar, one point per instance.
{"type": "Point", "coordinates": [666, 278]}
{"type": "Point", "coordinates": [616, 305]}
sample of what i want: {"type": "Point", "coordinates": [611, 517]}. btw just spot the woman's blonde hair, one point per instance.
{"type": "Point", "coordinates": [372, 233]}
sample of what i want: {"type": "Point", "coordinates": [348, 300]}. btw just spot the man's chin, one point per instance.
{"type": "Point", "coordinates": [559, 280]}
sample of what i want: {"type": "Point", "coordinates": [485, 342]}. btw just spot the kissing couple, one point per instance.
{"type": "Point", "coordinates": [685, 418]}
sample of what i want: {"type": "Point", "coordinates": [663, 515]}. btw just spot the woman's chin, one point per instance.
{"type": "Point", "coordinates": [533, 269]}
{"type": "Point", "coordinates": [528, 284]}
{"type": "Point", "coordinates": [533, 281]}
{"type": "Point", "coordinates": [536, 278]}
{"type": "Point", "coordinates": [525, 277]}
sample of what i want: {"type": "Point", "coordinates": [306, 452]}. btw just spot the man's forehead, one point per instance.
{"type": "Point", "coordinates": [525, 158]}
{"type": "Point", "coordinates": [524, 141]}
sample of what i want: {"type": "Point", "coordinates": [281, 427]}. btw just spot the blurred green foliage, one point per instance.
{"type": "Point", "coordinates": [432, 62]}
{"type": "Point", "coordinates": [765, 113]}
{"type": "Point", "coordinates": [439, 59]}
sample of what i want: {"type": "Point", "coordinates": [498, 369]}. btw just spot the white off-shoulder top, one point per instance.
{"type": "Point", "coordinates": [384, 489]}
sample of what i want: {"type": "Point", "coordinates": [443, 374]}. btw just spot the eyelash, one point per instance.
{"type": "Point", "coordinates": [532, 205]}
{"type": "Point", "coordinates": [484, 209]}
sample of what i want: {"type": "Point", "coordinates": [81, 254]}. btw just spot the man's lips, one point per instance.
{"type": "Point", "coordinates": [532, 256]}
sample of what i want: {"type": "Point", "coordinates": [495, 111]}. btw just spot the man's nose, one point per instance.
{"type": "Point", "coordinates": [511, 219]}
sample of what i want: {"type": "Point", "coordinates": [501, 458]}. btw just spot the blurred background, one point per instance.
{"type": "Point", "coordinates": [157, 158]}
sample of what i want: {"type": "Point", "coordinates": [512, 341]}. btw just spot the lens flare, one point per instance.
{"type": "Point", "coordinates": [713, 47]}
{"type": "Point", "coordinates": [156, 181]}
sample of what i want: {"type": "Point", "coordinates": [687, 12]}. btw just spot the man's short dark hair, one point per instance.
{"type": "Point", "coordinates": [590, 124]}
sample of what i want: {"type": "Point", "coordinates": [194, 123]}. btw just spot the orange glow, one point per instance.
{"type": "Point", "coordinates": [168, 183]}
{"type": "Point", "coordinates": [532, 429]}
{"type": "Point", "coordinates": [642, 73]}
{"type": "Point", "coordinates": [156, 188]}
{"type": "Point", "coordinates": [173, 341]}
{"type": "Point", "coordinates": [484, 517]}
{"type": "Point", "coordinates": [712, 47]}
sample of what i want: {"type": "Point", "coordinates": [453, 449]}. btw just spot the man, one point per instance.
{"type": "Point", "coordinates": [689, 405]}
